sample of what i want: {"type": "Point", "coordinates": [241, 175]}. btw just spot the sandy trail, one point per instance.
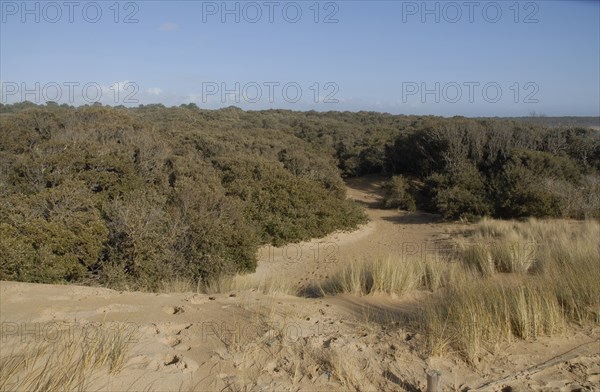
{"type": "Point", "coordinates": [247, 340]}
{"type": "Point", "coordinates": [389, 233]}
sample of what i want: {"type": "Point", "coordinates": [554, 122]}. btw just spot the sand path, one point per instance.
{"type": "Point", "coordinates": [389, 233]}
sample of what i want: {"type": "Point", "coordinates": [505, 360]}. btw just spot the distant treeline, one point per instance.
{"type": "Point", "coordinates": [566, 121]}
{"type": "Point", "coordinates": [132, 197]}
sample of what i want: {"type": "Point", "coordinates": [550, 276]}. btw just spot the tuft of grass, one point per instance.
{"type": "Point", "coordinates": [226, 283]}
{"type": "Point", "coordinates": [550, 277]}
{"type": "Point", "coordinates": [73, 362]}
{"type": "Point", "coordinates": [390, 276]}
{"type": "Point", "coordinates": [482, 315]}
{"type": "Point", "coordinates": [476, 257]}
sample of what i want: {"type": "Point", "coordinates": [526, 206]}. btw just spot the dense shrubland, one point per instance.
{"type": "Point", "coordinates": [460, 167]}
{"type": "Point", "coordinates": [130, 197]}
{"type": "Point", "coordinates": [470, 168]}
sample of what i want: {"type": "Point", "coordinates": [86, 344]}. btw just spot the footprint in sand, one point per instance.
{"type": "Point", "coordinates": [173, 309]}
{"type": "Point", "coordinates": [170, 363]}
{"type": "Point", "coordinates": [197, 299]}
{"type": "Point", "coordinates": [167, 329]}
{"type": "Point", "coordinates": [173, 329]}
{"type": "Point", "coordinates": [176, 363]}
{"type": "Point", "coordinates": [52, 314]}
{"type": "Point", "coordinates": [175, 343]}
{"type": "Point", "coordinates": [170, 341]}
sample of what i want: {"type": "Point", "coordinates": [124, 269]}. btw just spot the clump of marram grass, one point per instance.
{"type": "Point", "coordinates": [513, 254]}
{"type": "Point", "coordinates": [509, 254]}
{"type": "Point", "coordinates": [553, 270]}
{"type": "Point", "coordinates": [71, 359]}
{"type": "Point", "coordinates": [266, 285]}
{"type": "Point", "coordinates": [477, 257]}
{"type": "Point", "coordinates": [482, 315]}
{"type": "Point", "coordinates": [228, 283]}
{"type": "Point", "coordinates": [499, 246]}
{"type": "Point", "coordinates": [565, 254]}
{"type": "Point", "coordinates": [571, 266]}
{"type": "Point", "coordinates": [394, 276]}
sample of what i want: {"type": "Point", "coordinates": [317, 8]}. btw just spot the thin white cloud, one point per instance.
{"type": "Point", "coordinates": [154, 91]}
{"type": "Point", "coordinates": [168, 26]}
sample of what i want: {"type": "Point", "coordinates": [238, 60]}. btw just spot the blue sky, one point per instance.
{"type": "Point", "coordinates": [502, 58]}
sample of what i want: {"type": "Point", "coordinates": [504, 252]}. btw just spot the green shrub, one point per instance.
{"type": "Point", "coordinates": [285, 207]}
{"type": "Point", "coordinates": [461, 193]}
{"type": "Point", "coordinates": [57, 234]}
{"type": "Point", "coordinates": [457, 202]}
{"type": "Point", "coordinates": [396, 194]}
{"type": "Point", "coordinates": [521, 190]}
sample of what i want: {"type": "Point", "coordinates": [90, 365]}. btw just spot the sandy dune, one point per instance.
{"type": "Point", "coordinates": [247, 340]}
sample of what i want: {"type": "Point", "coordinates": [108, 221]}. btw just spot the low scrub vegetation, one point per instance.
{"type": "Point", "coordinates": [471, 170]}
{"type": "Point", "coordinates": [132, 198]}
{"type": "Point", "coordinates": [396, 194]}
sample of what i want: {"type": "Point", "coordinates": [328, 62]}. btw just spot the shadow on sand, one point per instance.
{"type": "Point", "coordinates": [414, 218]}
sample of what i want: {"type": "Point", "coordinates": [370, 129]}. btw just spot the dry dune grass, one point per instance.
{"type": "Point", "coordinates": [73, 361]}
{"type": "Point", "coordinates": [536, 277]}
{"type": "Point", "coordinates": [342, 372]}
{"type": "Point", "coordinates": [387, 275]}
{"type": "Point", "coordinates": [266, 285]}
{"type": "Point", "coordinates": [510, 280]}
{"type": "Point", "coordinates": [482, 315]}
{"type": "Point", "coordinates": [225, 283]}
